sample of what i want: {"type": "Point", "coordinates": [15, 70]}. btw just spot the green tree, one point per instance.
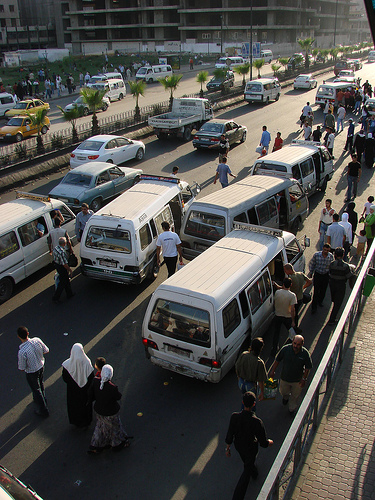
{"type": "Point", "coordinates": [284, 62]}
{"type": "Point", "coordinates": [202, 78]}
{"type": "Point", "coordinates": [39, 120]}
{"type": "Point", "coordinates": [137, 89]}
{"type": "Point", "coordinates": [334, 53]}
{"type": "Point", "coordinates": [170, 83]}
{"type": "Point", "coordinates": [315, 53]}
{"type": "Point", "coordinates": [275, 68]}
{"type": "Point", "coordinates": [243, 70]}
{"type": "Point", "coordinates": [258, 65]}
{"type": "Point", "coordinates": [71, 116]}
{"type": "Point", "coordinates": [306, 46]}
{"type": "Point", "coordinates": [93, 98]}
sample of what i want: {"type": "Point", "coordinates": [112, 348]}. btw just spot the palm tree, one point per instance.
{"type": "Point", "coordinates": [306, 46]}
{"type": "Point", "coordinates": [38, 119]}
{"type": "Point", "coordinates": [93, 98]}
{"type": "Point", "coordinates": [275, 68]}
{"type": "Point", "coordinates": [137, 88]}
{"type": "Point", "coordinates": [334, 53]}
{"type": "Point", "coordinates": [258, 64]}
{"type": "Point", "coordinates": [71, 116]}
{"type": "Point", "coordinates": [243, 70]}
{"type": "Point", "coordinates": [284, 62]}
{"type": "Point", "coordinates": [170, 83]}
{"type": "Point", "coordinates": [315, 53]}
{"type": "Point", "coordinates": [202, 78]}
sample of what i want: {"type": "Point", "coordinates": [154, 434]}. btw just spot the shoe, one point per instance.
{"type": "Point", "coordinates": [124, 444]}
{"type": "Point", "coordinates": [94, 451]}
{"type": "Point", "coordinates": [41, 413]}
{"type": "Point", "coordinates": [285, 401]}
{"type": "Point", "coordinates": [254, 473]}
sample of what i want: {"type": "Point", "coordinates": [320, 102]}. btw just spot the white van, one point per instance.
{"type": "Point", "coordinates": [105, 76]}
{"type": "Point", "coordinates": [307, 161]}
{"type": "Point", "coordinates": [115, 89]}
{"type": "Point", "coordinates": [24, 227]}
{"type": "Point", "coordinates": [267, 55]}
{"type": "Point", "coordinates": [262, 90]}
{"type": "Point", "coordinates": [202, 317]}
{"type": "Point", "coordinates": [7, 101]}
{"type": "Point", "coordinates": [371, 56]}
{"type": "Point", "coordinates": [151, 74]}
{"type": "Point", "coordinates": [119, 241]}
{"type": "Point", "coordinates": [229, 62]}
{"type": "Point", "coordinates": [328, 92]}
{"type": "Point", "coordinates": [260, 200]}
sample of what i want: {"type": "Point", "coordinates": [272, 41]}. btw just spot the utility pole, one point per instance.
{"type": "Point", "coordinates": [221, 35]}
{"type": "Point", "coordinates": [251, 40]}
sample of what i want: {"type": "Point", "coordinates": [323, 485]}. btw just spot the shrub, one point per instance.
{"type": "Point", "coordinates": [20, 150]}
{"type": "Point", "coordinates": [56, 141]}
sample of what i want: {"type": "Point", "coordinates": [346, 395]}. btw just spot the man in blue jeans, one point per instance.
{"type": "Point", "coordinates": [222, 173]}
{"type": "Point", "coordinates": [31, 361]}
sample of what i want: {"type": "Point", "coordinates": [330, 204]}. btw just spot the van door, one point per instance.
{"type": "Point", "coordinates": [267, 213]}
{"type": "Point", "coordinates": [308, 175]}
{"type": "Point", "coordinates": [297, 204]}
{"type": "Point", "coordinates": [33, 236]}
{"type": "Point", "coordinates": [260, 298]}
{"type": "Point", "coordinates": [294, 255]}
{"type": "Point", "coordinates": [11, 257]}
{"type": "Point", "coordinates": [318, 165]}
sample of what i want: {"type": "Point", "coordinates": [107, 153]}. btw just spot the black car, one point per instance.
{"type": "Point", "coordinates": [221, 83]}
{"type": "Point", "coordinates": [210, 133]}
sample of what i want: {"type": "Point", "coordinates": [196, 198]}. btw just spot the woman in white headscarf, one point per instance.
{"type": "Point", "coordinates": [108, 432]}
{"type": "Point", "coordinates": [78, 374]}
{"type": "Point", "coordinates": [348, 234]}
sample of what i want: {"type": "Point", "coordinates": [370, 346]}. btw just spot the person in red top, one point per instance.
{"type": "Point", "coordinates": [340, 96]}
{"type": "Point", "coordinates": [278, 142]}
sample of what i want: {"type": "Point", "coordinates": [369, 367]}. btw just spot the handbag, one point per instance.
{"type": "Point", "coordinates": [72, 260]}
{"type": "Point", "coordinates": [270, 388]}
{"type": "Point", "coordinates": [259, 149]}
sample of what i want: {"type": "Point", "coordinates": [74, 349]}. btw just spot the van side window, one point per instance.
{"type": "Point", "coordinates": [240, 217]}
{"type": "Point", "coordinates": [8, 244]}
{"type": "Point", "coordinates": [307, 167]}
{"type": "Point", "coordinates": [259, 292]}
{"type": "Point", "coordinates": [145, 236]}
{"type": "Point", "coordinates": [266, 211]}
{"type": "Point", "coordinates": [296, 173]}
{"type": "Point", "coordinates": [205, 225]}
{"type": "Point", "coordinates": [165, 215]}
{"type": "Point", "coordinates": [293, 251]}
{"type": "Point", "coordinates": [254, 297]}
{"type": "Point", "coordinates": [7, 100]}
{"type": "Point", "coordinates": [244, 304]}
{"type": "Point", "coordinates": [231, 317]}
{"type": "Point", "coordinates": [253, 219]}
{"type": "Point", "coordinates": [153, 228]}
{"type": "Point", "coordinates": [295, 193]}
{"type": "Point", "coordinates": [32, 231]}
{"type": "Point", "coordinates": [68, 216]}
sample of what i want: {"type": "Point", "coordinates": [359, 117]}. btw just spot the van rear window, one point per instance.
{"type": "Point", "coordinates": [8, 244]}
{"type": "Point", "coordinates": [270, 166]}
{"type": "Point", "coordinates": [326, 91]}
{"type": "Point", "coordinates": [205, 225]}
{"type": "Point", "coordinates": [115, 240]}
{"type": "Point", "coordinates": [254, 87]}
{"type": "Point", "coordinates": [181, 322]}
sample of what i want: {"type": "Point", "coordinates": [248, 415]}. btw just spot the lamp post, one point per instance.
{"type": "Point", "coordinates": [251, 40]}
{"type": "Point", "coordinates": [334, 33]}
{"type": "Point", "coordinates": [221, 35]}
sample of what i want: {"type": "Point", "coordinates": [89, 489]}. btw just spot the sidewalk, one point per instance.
{"type": "Point", "coordinates": [341, 462]}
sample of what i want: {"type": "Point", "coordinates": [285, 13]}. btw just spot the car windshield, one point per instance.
{"type": "Point", "coordinates": [115, 240]}
{"type": "Point", "coordinates": [216, 80]}
{"type": "Point", "coordinates": [254, 87]}
{"type": "Point", "coordinates": [77, 179]}
{"type": "Point", "coordinates": [181, 322]}
{"type": "Point", "coordinates": [328, 91]}
{"type": "Point", "coordinates": [79, 100]}
{"type": "Point", "coordinates": [142, 71]}
{"type": "Point", "coordinates": [20, 105]}
{"type": "Point", "coordinates": [15, 122]}
{"type": "Point", "coordinates": [91, 145]}
{"type": "Point", "coordinates": [211, 127]}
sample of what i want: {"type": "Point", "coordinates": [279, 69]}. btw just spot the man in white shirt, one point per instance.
{"type": "Point", "coordinates": [330, 141]}
{"type": "Point", "coordinates": [305, 111]}
{"type": "Point", "coordinates": [170, 244]}
{"type": "Point", "coordinates": [340, 117]}
{"type": "Point", "coordinates": [284, 301]}
{"type": "Point", "coordinates": [326, 219]}
{"type": "Point", "coordinates": [306, 131]}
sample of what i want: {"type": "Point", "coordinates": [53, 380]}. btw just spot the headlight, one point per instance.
{"type": "Point", "coordinates": [8, 135]}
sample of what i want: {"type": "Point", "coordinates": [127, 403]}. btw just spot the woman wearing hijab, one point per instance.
{"type": "Point", "coordinates": [369, 222]}
{"type": "Point", "coordinates": [78, 374]}
{"type": "Point", "coordinates": [348, 234]}
{"type": "Point", "coordinates": [108, 431]}
{"type": "Point", "coordinates": [353, 217]}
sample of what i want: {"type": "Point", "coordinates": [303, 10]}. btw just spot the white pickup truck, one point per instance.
{"type": "Point", "coordinates": [187, 114]}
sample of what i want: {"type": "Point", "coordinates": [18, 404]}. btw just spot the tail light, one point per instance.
{"type": "Point", "coordinates": [150, 343]}
{"type": "Point", "coordinates": [215, 140]}
{"type": "Point", "coordinates": [213, 363]}
{"type": "Point", "coordinates": [93, 157]}
{"type": "Point", "coordinates": [72, 155]}
{"type": "Point", "coordinates": [196, 137]}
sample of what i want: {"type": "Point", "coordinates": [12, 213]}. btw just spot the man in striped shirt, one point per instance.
{"type": "Point", "coordinates": [60, 260]}
{"type": "Point", "coordinates": [31, 361]}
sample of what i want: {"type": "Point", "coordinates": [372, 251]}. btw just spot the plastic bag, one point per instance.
{"type": "Point", "coordinates": [270, 388]}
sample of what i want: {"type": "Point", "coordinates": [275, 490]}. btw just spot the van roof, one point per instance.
{"type": "Point", "coordinates": [289, 155]}
{"type": "Point", "coordinates": [215, 274]}
{"type": "Point", "coordinates": [263, 81]}
{"type": "Point", "coordinates": [238, 193]}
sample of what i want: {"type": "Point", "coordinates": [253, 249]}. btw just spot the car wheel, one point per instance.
{"type": "Point", "coordinates": [243, 139]}
{"type": "Point", "coordinates": [6, 289]}
{"type": "Point", "coordinates": [105, 107]}
{"type": "Point", "coordinates": [121, 96]}
{"type": "Point", "coordinates": [277, 97]}
{"type": "Point", "coordinates": [108, 161]}
{"type": "Point", "coordinates": [154, 271]}
{"type": "Point", "coordinates": [18, 137]}
{"type": "Point", "coordinates": [96, 204]}
{"type": "Point", "coordinates": [267, 100]}
{"type": "Point", "coordinates": [86, 111]}
{"type": "Point", "coordinates": [44, 130]}
{"type": "Point", "coordinates": [295, 226]}
{"type": "Point", "coordinates": [151, 80]}
{"type": "Point", "coordinates": [140, 154]}
{"type": "Point", "coordinates": [187, 134]}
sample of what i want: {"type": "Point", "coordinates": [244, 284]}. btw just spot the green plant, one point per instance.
{"type": "Point", "coordinates": [275, 68]}
{"type": "Point", "coordinates": [93, 98]}
{"type": "Point", "coordinates": [258, 64]}
{"type": "Point", "coordinates": [157, 109]}
{"type": "Point", "coordinates": [306, 46]}
{"type": "Point", "coordinates": [137, 89]}
{"type": "Point", "coordinates": [4, 160]}
{"type": "Point", "coordinates": [38, 119]}
{"type": "Point", "coordinates": [170, 83]}
{"type": "Point", "coordinates": [243, 70]}
{"type": "Point", "coordinates": [202, 78]}
{"type": "Point", "coordinates": [20, 150]}
{"type": "Point", "coordinates": [56, 141]}
{"type": "Point", "coordinates": [71, 116]}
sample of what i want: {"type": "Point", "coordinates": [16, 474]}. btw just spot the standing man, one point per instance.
{"type": "Point", "coordinates": [55, 234]}
{"type": "Point", "coordinates": [223, 147]}
{"type": "Point", "coordinates": [335, 233]}
{"type": "Point", "coordinates": [299, 282]}
{"type": "Point", "coordinates": [81, 220]}
{"type": "Point", "coordinates": [250, 369]}
{"type": "Point", "coordinates": [317, 134]}
{"type": "Point", "coordinates": [326, 219]}
{"type": "Point", "coordinates": [319, 270]}
{"type": "Point", "coordinates": [339, 273]}
{"type": "Point", "coordinates": [31, 361]}
{"type": "Point", "coordinates": [284, 301]}
{"type": "Point", "coordinates": [353, 176]}
{"type": "Point", "coordinates": [222, 173]}
{"type": "Point", "coordinates": [170, 243]}
{"type": "Point", "coordinates": [60, 261]}
{"type": "Point", "coordinates": [265, 139]}
{"type": "Point", "coordinates": [330, 141]}
{"type": "Point", "coordinates": [359, 144]}
{"type": "Point", "coordinates": [369, 150]}
{"type": "Point", "coordinates": [305, 112]}
{"type": "Point", "coordinates": [174, 171]}
{"type": "Point", "coordinates": [329, 122]}
{"type": "Point", "coordinates": [306, 131]}
{"type": "Point", "coordinates": [349, 138]}
{"type": "Point", "coordinates": [296, 367]}
{"type": "Point", "coordinates": [248, 432]}
{"type": "Point", "coordinates": [340, 117]}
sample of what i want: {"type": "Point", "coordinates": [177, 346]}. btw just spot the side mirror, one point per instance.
{"type": "Point", "coordinates": [307, 241]}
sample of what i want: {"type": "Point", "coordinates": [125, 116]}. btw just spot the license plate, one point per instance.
{"type": "Point", "coordinates": [81, 157]}
{"type": "Point", "coordinates": [178, 351]}
{"type": "Point", "coordinates": [204, 139]}
{"type": "Point", "coordinates": [107, 263]}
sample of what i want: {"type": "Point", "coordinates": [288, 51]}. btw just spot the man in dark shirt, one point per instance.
{"type": "Point", "coordinates": [317, 134]}
{"type": "Point", "coordinates": [247, 431]}
{"type": "Point", "coordinates": [339, 273]}
{"type": "Point", "coordinates": [353, 175]}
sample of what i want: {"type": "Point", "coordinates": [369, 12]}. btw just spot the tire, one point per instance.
{"type": "Point", "coordinates": [136, 180]}
{"type": "Point", "coordinates": [323, 187]}
{"type": "Point", "coordinates": [86, 111]}
{"type": "Point", "coordinates": [18, 137]}
{"type": "Point", "coordinates": [6, 289]}
{"type": "Point", "coordinates": [151, 80]}
{"type": "Point", "coordinates": [243, 138]}
{"type": "Point", "coordinates": [277, 97]}
{"type": "Point", "coordinates": [120, 97]}
{"type": "Point", "coordinates": [140, 154]}
{"type": "Point", "coordinates": [96, 204]}
{"type": "Point", "coordinates": [187, 134]}
{"type": "Point", "coordinates": [109, 161]}
{"type": "Point", "coordinates": [44, 130]}
{"type": "Point", "coordinates": [105, 107]}
{"type": "Point", "coordinates": [267, 101]}
{"type": "Point", "coordinates": [154, 271]}
{"type": "Point", "coordinates": [295, 226]}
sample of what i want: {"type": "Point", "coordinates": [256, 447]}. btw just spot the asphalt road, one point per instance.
{"type": "Point", "coordinates": [179, 424]}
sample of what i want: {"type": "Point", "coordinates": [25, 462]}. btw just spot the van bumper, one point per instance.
{"type": "Point", "coordinates": [124, 277]}
{"type": "Point", "coordinates": [214, 375]}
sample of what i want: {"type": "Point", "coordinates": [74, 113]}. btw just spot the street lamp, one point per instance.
{"type": "Point", "coordinates": [251, 40]}
{"type": "Point", "coordinates": [221, 36]}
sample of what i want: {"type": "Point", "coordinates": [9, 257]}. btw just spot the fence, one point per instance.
{"type": "Point", "coordinates": [285, 469]}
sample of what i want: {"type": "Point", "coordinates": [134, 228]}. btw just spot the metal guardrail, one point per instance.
{"type": "Point", "coordinates": [285, 469]}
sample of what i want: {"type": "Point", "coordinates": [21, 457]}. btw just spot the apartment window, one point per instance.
{"type": "Point", "coordinates": [206, 36]}
{"type": "Point", "coordinates": [1, 8]}
{"type": "Point", "coordinates": [14, 22]}
{"type": "Point", "coordinates": [217, 35]}
{"type": "Point", "coordinates": [235, 35]}
{"type": "Point", "coordinates": [11, 8]}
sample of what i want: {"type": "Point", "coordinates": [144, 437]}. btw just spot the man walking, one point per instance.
{"type": "Point", "coordinates": [170, 244]}
{"type": "Point", "coordinates": [223, 147]}
{"type": "Point", "coordinates": [81, 220]}
{"type": "Point", "coordinates": [326, 219]}
{"type": "Point", "coordinates": [31, 361]}
{"type": "Point", "coordinates": [340, 117]}
{"type": "Point", "coordinates": [305, 112]}
{"type": "Point", "coordinates": [350, 136]}
{"type": "Point", "coordinates": [330, 120]}
{"type": "Point", "coordinates": [248, 432]}
{"type": "Point", "coordinates": [335, 233]}
{"type": "Point", "coordinates": [339, 273]}
{"type": "Point", "coordinates": [299, 282]}
{"type": "Point", "coordinates": [319, 270]}
{"type": "Point", "coordinates": [296, 366]}
{"type": "Point", "coordinates": [265, 139]}
{"type": "Point", "coordinates": [330, 140]}
{"type": "Point", "coordinates": [60, 261]}
{"type": "Point", "coordinates": [55, 234]}
{"type": "Point", "coordinates": [222, 173]}
{"type": "Point", "coordinates": [353, 176]}
{"type": "Point", "coordinates": [250, 369]}
{"type": "Point", "coordinates": [284, 301]}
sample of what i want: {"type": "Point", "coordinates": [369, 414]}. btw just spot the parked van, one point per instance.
{"type": "Point", "coordinates": [262, 90]}
{"type": "Point", "coordinates": [115, 89]}
{"type": "Point", "coordinates": [151, 74]}
{"type": "Point", "coordinates": [7, 101]}
{"type": "Point", "coordinates": [371, 56]}
{"type": "Point", "coordinates": [119, 241]}
{"type": "Point", "coordinates": [329, 90]}
{"type": "Point", "coordinates": [308, 162]}
{"type": "Point", "coordinates": [105, 76]}
{"type": "Point", "coordinates": [200, 319]}
{"type": "Point", "coordinates": [266, 54]}
{"type": "Point", "coordinates": [229, 62]}
{"type": "Point", "coordinates": [24, 227]}
{"type": "Point", "coordinates": [261, 200]}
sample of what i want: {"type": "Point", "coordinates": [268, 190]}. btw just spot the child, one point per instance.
{"type": "Point", "coordinates": [366, 208]}
{"type": "Point", "coordinates": [361, 237]}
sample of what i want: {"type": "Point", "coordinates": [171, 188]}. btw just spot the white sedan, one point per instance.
{"type": "Point", "coordinates": [108, 148]}
{"type": "Point", "coordinates": [305, 81]}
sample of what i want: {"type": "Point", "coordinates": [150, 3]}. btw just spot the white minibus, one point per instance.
{"type": "Point", "coordinates": [262, 90]}
{"type": "Point", "coordinates": [229, 62]}
{"type": "Point", "coordinates": [151, 74]}
{"type": "Point", "coordinates": [202, 317]}
{"type": "Point", "coordinates": [114, 89]}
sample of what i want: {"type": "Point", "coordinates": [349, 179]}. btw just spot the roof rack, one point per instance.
{"type": "Point", "coordinates": [33, 196]}
{"type": "Point", "coordinates": [161, 178]}
{"type": "Point", "coordinates": [306, 143]}
{"type": "Point", "coordinates": [270, 231]}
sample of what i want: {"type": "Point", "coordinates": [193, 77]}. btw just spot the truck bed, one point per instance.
{"type": "Point", "coordinates": [171, 120]}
